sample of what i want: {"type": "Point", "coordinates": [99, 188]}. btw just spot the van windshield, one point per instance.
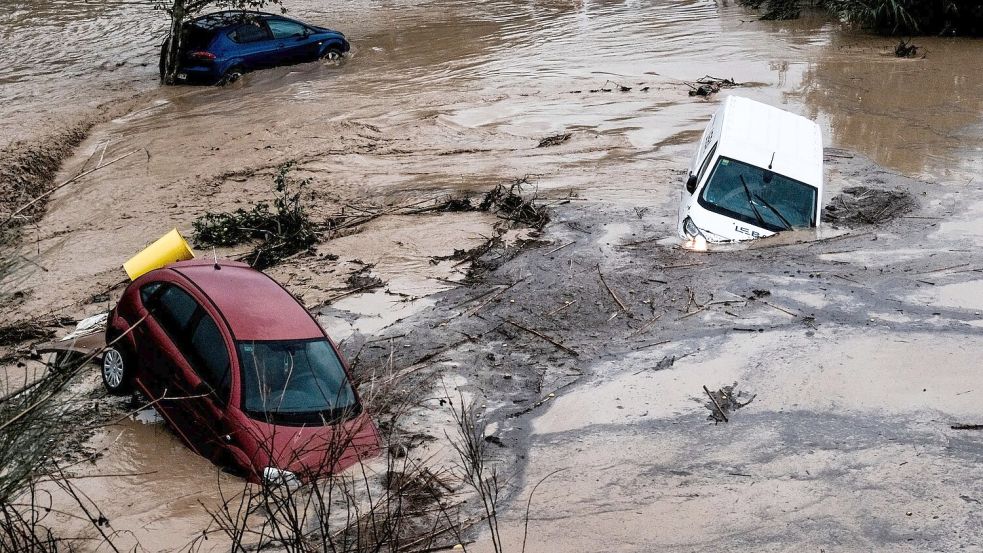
{"type": "Point", "coordinates": [759, 196]}
{"type": "Point", "coordinates": [295, 382]}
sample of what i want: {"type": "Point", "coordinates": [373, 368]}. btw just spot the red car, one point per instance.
{"type": "Point", "coordinates": [240, 370]}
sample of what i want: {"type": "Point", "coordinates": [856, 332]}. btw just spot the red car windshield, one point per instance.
{"type": "Point", "coordinates": [296, 382]}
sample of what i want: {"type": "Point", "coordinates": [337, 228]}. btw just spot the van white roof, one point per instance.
{"type": "Point", "coordinates": [751, 132]}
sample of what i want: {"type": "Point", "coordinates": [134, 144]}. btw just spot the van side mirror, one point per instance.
{"type": "Point", "coordinates": [691, 183]}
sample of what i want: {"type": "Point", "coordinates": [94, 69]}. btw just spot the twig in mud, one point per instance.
{"type": "Point", "coordinates": [831, 239]}
{"type": "Point", "coordinates": [846, 279]}
{"type": "Point", "coordinates": [646, 325]}
{"type": "Point", "coordinates": [543, 400]}
{"type": "Point", "coordinates": [424, 361]}
{"type": "Point", "coordinates": [544, 337]}
{"type": "Point", "coordinates": [610, 291]}
{"type": "Point", "coordinates": [21, 209]}
{"type": "Point", "coordinates": [446, 281]}
{"type": "Point", "coordinates": [701, 309]}
{"type": "Point", "coordinates": [561, 308]}
{"type": "Point", "coordinates": [666, 362]}
{"type": "Point", "coordinates": [652, 345]}
{"type": "Point", "coordinates": [715, 404]}
{"type": "Point", "coordinates": [493, 296]}
{"type": "Point", "coordinates": [967, 427]}
{"type": "Point", "coordinates": [349, 293]}
{"type": "Point", "coordinates": [664, 267]}
{"type": "Point", "coordinates": [554, 250]}
{"type": "Point", "coordinates": [525, 526]}
{"type": "Point", "coordinates": [773, 306]}
{"type": "Point", "coordinates": [961, 265]}
{"type": "Point", "coordinates": [638, 242]}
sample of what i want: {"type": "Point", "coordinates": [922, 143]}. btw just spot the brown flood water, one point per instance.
{"type": "Point", "coordinates": [437, 98]}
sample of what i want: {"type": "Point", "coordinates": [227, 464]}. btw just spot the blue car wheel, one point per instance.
{"type": "Point", "coordinates": [332, 53]}
{"type": "Point", "coordinates": [232, 75]}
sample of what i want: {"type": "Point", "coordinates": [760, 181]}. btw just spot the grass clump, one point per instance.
{"type": "Point", "coordinates": [282, 229]}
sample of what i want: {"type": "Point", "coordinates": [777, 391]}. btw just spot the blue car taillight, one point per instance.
{"type": "Point", "coordinates": [202, 55]}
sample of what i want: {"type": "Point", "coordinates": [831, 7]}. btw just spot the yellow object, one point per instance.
{"type": "Point", "coordinates": [170, 248]}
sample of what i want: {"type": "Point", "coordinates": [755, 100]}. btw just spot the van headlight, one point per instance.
{"type": "Point", "coordinates": [277, 477]}
{"type": "Point", "coordinates": [691, 230]}
{"type": "Point", "coordinates": [695, 240]}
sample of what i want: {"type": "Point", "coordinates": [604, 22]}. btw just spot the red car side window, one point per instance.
{"type": "Point", "coordinates": [148, 293]}
{"type": "Point", "coordinates": [210, 356]}
{"type": "Point", "coordinates": [194, 333]}
{"type": "Point", "coordinates": [174, 310]}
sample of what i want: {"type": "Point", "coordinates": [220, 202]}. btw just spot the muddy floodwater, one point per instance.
{"type": "Point", "coordinates": [860, 355]}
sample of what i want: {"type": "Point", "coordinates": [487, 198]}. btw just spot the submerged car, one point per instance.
{"type": "Point", "coordinates": [220, 47]}
{"type": "Point", "coordinates": [758, 170]}
{"type": "Point", "coordinates": [239, 369]}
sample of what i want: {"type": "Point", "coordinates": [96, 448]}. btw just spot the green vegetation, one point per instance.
{"type": "Point", "coordinates": [893, 17]}
{"type": "Point", "coordinates": [283, 229]}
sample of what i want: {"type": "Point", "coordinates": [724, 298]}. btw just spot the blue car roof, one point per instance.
{"type": "Point", "coordinates": [219, 20]}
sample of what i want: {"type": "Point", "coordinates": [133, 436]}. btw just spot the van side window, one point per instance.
{"type": "Point", "coordinates": [210, 357]}
{"type": "Point", "coordinates": [706, 162]}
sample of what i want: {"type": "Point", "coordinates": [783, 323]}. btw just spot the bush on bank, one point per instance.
{"type": "Point", "coordinates": [892, 17]}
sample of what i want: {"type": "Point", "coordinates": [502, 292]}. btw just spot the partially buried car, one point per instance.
{"type": "Point", "coordinates": [239, 369]}
{"type": "Point", "coordinates": [219, 47]}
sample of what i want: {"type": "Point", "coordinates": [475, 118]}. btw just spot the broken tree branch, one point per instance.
{"type": "Point", "coordinates": [544, 337]}
{"type": "Point", "coordinates": [610, 291]}
{"type": "Point", "coordinates": [715, 404]}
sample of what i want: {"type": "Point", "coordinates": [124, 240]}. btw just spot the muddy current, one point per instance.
{"type": "Point", "coordinates": [450, 98]}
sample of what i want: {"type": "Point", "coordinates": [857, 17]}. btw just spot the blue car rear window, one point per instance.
{"type": "Point", "coordinates": [249, 32]}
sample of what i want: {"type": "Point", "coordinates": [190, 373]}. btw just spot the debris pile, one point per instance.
{"type": "Point", "coordinates": [868, 206]}
{"type": "Point", "coordinates": [725, 401]}
{"type": "Point", "coordinates": [24, 331]}
{"type": "Point", "coordinates": [708, 86]}
{"type": "Point", "coordinates": [363, 279]}
{"type": "Point", "coordinates": [508, 202]}
{"type": "Point", "coordinates": [283, 228]}
{"type": "Point", "coordinates": [905, 49]}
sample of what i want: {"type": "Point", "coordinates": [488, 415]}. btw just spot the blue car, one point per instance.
{"type": "Point", "coordinates": [221, 46]}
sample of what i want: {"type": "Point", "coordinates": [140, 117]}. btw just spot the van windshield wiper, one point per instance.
{"type": "Point", "coordinates": [788, 226]}
{"type": "Point", "coordinates": [747, 191]}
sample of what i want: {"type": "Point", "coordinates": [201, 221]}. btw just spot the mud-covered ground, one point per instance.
{"type": "Point", "coordinates": [587, 345]}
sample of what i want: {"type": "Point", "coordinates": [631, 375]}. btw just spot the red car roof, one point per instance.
{"type": "Point", "coordinates": [255, 306]}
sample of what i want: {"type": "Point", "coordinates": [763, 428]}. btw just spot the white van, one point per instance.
{"type": "Point", "coordinates": [758, 170]}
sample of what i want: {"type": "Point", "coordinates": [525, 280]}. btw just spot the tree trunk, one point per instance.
{"type": "Point", "coordinates": [171, 51]}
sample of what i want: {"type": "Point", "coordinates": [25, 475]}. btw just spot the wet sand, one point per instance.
{"type": "Point", "coordinates": [446, 99]}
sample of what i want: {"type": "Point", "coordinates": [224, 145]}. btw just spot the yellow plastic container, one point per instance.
{"type": "Point", "coordinates": [170, 248]}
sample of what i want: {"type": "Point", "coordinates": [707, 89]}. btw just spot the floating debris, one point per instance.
{"type": "Point", "coordinates": [708, 86]}
{"type": "Point", "coordinates": [868, 206]}
{"type": "Point", "coordinates": [554, 140]}
{"type": "Point", "coordinates": [905, 49]}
